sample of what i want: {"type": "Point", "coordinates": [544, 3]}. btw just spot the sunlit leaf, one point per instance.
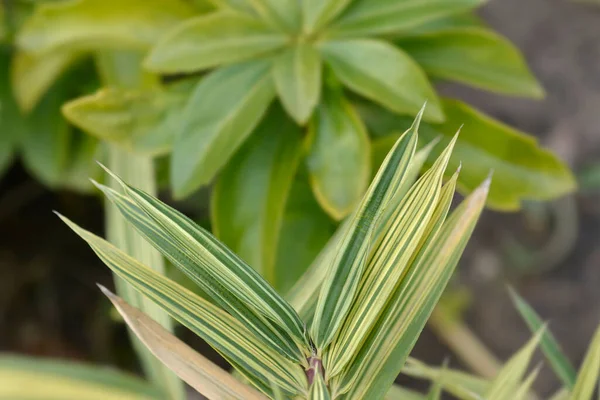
{"type": "Point", "coordinates": [317, 13]}
{"type": "Point", "coordinates": [397, 392]}
{"type": "Point", "coordinates": [589, 371]}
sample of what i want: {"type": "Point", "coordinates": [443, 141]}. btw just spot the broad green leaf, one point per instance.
{"type": "Point", "coordinates": [207, 41]}
{"type": "Point", "coordinates": [29, 378]}
{"type": "Point", "coordinates": [390, 78]}
{"type": "Point", "coordinates": [199, 372]}
{"type": "Point", "coordinates": [32, 76]}
{"type": "Point", "coordinates": [99, 24]}
{"type": "Point", "coordinates": [473, 56]}
{"type": "Point", "coordinates": [466, 20]}
{"type": "Point", "coordinates": [318, 13]}
{"type": "Point", "coordinates": [249, 198]}
{"type": "Point", "coordinates": [305, 230]}
{"type": "Point", "coordinates": [257, 361]}
{"type": "Point", "coordinates": [318, 389]}
{"type": "Point", "coordinates": [508, 380]}
{"type": "Point", "coordinates": [406, 226]}
{"type": "Point", "coordinates": [522, 170]}
{"type": "Point", "coordinates": [343, 276]}
{"type": "Point", "coordinates": [383, 353]}
{"type": "Point", "coordinates": [397, 392]}
{"type": "Point", "coordinates": [376, 17]}
{"type": "Point", "coordinates": [229, 281]}
{"type": "Point", "coordinates": [338, 159]}
{"type": "Point", "coordinates": [589, 371]}
{"type": "Point", "coordinates": [283, 14]}
{"type": "Point", "coordinates": [212, 131]}
{"type": "Point", "coordinates": [560, 364]}
{"type": "Point", "coordinates": [140, 120]}
{"type": "Point", "coordinates": [297, 76]}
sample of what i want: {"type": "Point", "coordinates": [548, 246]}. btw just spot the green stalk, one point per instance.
{"type": "Point", "coordinates": [122, 69]}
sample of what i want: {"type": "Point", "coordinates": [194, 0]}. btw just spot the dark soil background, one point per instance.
{"type": "Point", "coordinates": [50, 306]}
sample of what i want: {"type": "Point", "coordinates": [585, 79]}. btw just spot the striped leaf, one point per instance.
{"type": "Point", "coordinates": [588, 373]}
{"type": "Point", "coordinates": [341, 282]}
{"type": "Point", "coordinates": [253, 357]}
{"type": "Point", "coordinates": [558, 361]}
{"type": "Point", "coordinates": [318, 389]}
{"type": "Point", "coordinates": [522, 392]}
{"type": "Point", "coordinates": [383, 353]}
{"type": "Point", "coordinates": [390, 258]}
{"type": "Point", "coordinates": [199, 372]}
{"type": "Point", "coordinates": [228, 280]}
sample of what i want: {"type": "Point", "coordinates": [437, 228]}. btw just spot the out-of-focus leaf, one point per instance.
{"type": "Point", "coordinates": [466, 20]}
{"type": "Point", "coordinates": [375, 17]}
{"type": "Point", "coordinates": [297, 75]}
{"type": "Point", "coordinates": [523, 390]}
{"type": "Point", "coordinates": [32, 76]}
{"type": "Point", "coordinates": [559, 362]}
{"type": "Point", "coordinates": [250, 196]}
{"type": "Point", "coordinates": [589, 371]}
{"type": "Point", "coordinates": [199, 372]}
{"type": "Point", "coordinates": [212, 131]}
{"type": "Point", "coordinates": [99, 24]}
{"type": "Point", "coordinates": [256, 360]}
{"type": "Point", "coordinates": [338, 159]}
{"type": "Point", "coordinates": [397, 392]}
{"type": "Point", "coordinates": [317, 13]}
{"type": "Point", "coordinates": [522, 170]}
{"type": "Point", "coordinates": [223, 37]}
{"type": "Point", "coordinates": [474, 56]}
{"type": "Point", "coordinates": [283, 14]}
{"type": "Point", "coordinates": [28, 378]}
{"type": "Point", "coordinates": [390, 78]}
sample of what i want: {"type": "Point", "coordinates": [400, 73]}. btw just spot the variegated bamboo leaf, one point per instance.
{"type": "Point", "coordinates": [589, 371]}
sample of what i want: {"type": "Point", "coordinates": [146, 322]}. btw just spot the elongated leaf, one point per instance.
{"type": "Point", "coordinates": [318, 389]}
{"type": "Point", "coordinates": [342, 279]}
{"type": "Point", "coordinates": [505, 384]}
{"type": "Point", "coordinates": [474, 56]}
{"type": "Point", "coordinates": [559, 362]}
{"type": "Point", "coordinates": [223, 37]}
{"type": "Point", "coordinates": [522, 170]}
{"type": "Point", "coordinates": [317, 13]}
{"type": "Point", "coordinates": [397, 392]}
{"type": "Point", "coordinates": [406, 228]}
{"type": "Point", "coordinates": [229, 281]}
{"type": "Point", "coordinates": [390, 78]}
{"type": "Point", "coordinates": [374, 17]}
{"type": "Point", "coordinates": [32, 76]}
{"type": "Point", "coordinates": [589, 371]}
{"type": "Point", "coordinates": [524, 389]}
{"type": "Point", "coordinates": [258, 361]}
{"type": "Point", "coordinates": [199, 372]}
{"type": "Point", "coordinates": [250, 196]}
{"type": "Point", "coordinates": [338, 161]}
{"type": "Point", "coordinates": [283, 14]}
{"type": "Point", "coordinates": [100, 24]}
{"type": "Point", "coordinates": [465, 20]}
{"type": "Point", "coordinates": [211, 131]}
{"type": "Point", "coordinates": [384, 352]}
{"type": "Point", "coordinates": [297, 74]}
{"type": "Point", "coordinates": [29, 378]}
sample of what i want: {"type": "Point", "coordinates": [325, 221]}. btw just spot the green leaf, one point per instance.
{"type": "Point", "coordinates": [283, 14]}
{"type": "Point", "coordinates": [29, 378]}
{"type": "Point", "coordinates": [466, 20]}
{"type": "Point", "coordinates": [343, 276]}
{"type": "Point", "coordinates": [305, 230]}
{"type": "Point", "coordinates": [474, 56]}
{"type": "Point", "coordinates": [297, 75]}
{"type": "Point", "coordinates": [257, 361]}
{"type": "Point", "coordinates": [318, 389]}
{"type": "Point", "coordinates": [559, 362]}
{"type": "Point", "coordinates": [212, 131]}
{"type": "Point", "coordinates": [230, 282]}
{"type": "Point", "coordinates": [384, 352]}
{"type": "Point", "coordinates": [223, 37]}
{"type": "Point", "coordinates": [390, 78]}
{"type": "Point", "coordinates": [522, 170]}
{"type": "Point", "coordinates": [318, 13]}
{"type": "Point", "coordinates": [140, 120]}
{"type": "Point", "coordinates": [523, 390]}
{"type": "Point", "coordinates": [199, 372]}
{"type": "Point", "coordinates": [338, 159]}
{"type": "Point", "coordinates": [397, 392]}
{"type": "Point", "coordinates": [376, 17]}
{"type": "Point", "coordinates": [250, 196]}
{"type": "Point", "coordinates": [589, 371]}
{"type": "Point", "coordinates": [99, 24]}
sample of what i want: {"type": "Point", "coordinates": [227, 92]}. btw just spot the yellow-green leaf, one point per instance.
{"type": "Point", "coordinates": [589, 371]}
{"type": "Point", "coordinates": [317, 13]}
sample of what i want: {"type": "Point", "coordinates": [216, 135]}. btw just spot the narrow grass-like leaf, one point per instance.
{"type": "Point", "coordinates": [258, 361]}
{"type": "Point", "coordinates": [383, 353]}
{"type": "Point", "coordinates": [318, 389]}
{"type": "Point", "coordinates": [397, 392]}
{"type": "Point", "coordinates": [390, 259]}
{"type": "Point", "coordinates": [522, 392]}
{"type": "Point", "coordinates": [199, 372]}
{"type": "Point", "coordinates": [587, 379]}
{"type": "Point", "coordinates": [558, 361]}
{"type": "Point", "coordinates": [229, 281]}
{"type": "Point", "coordinates": [343, 277]}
